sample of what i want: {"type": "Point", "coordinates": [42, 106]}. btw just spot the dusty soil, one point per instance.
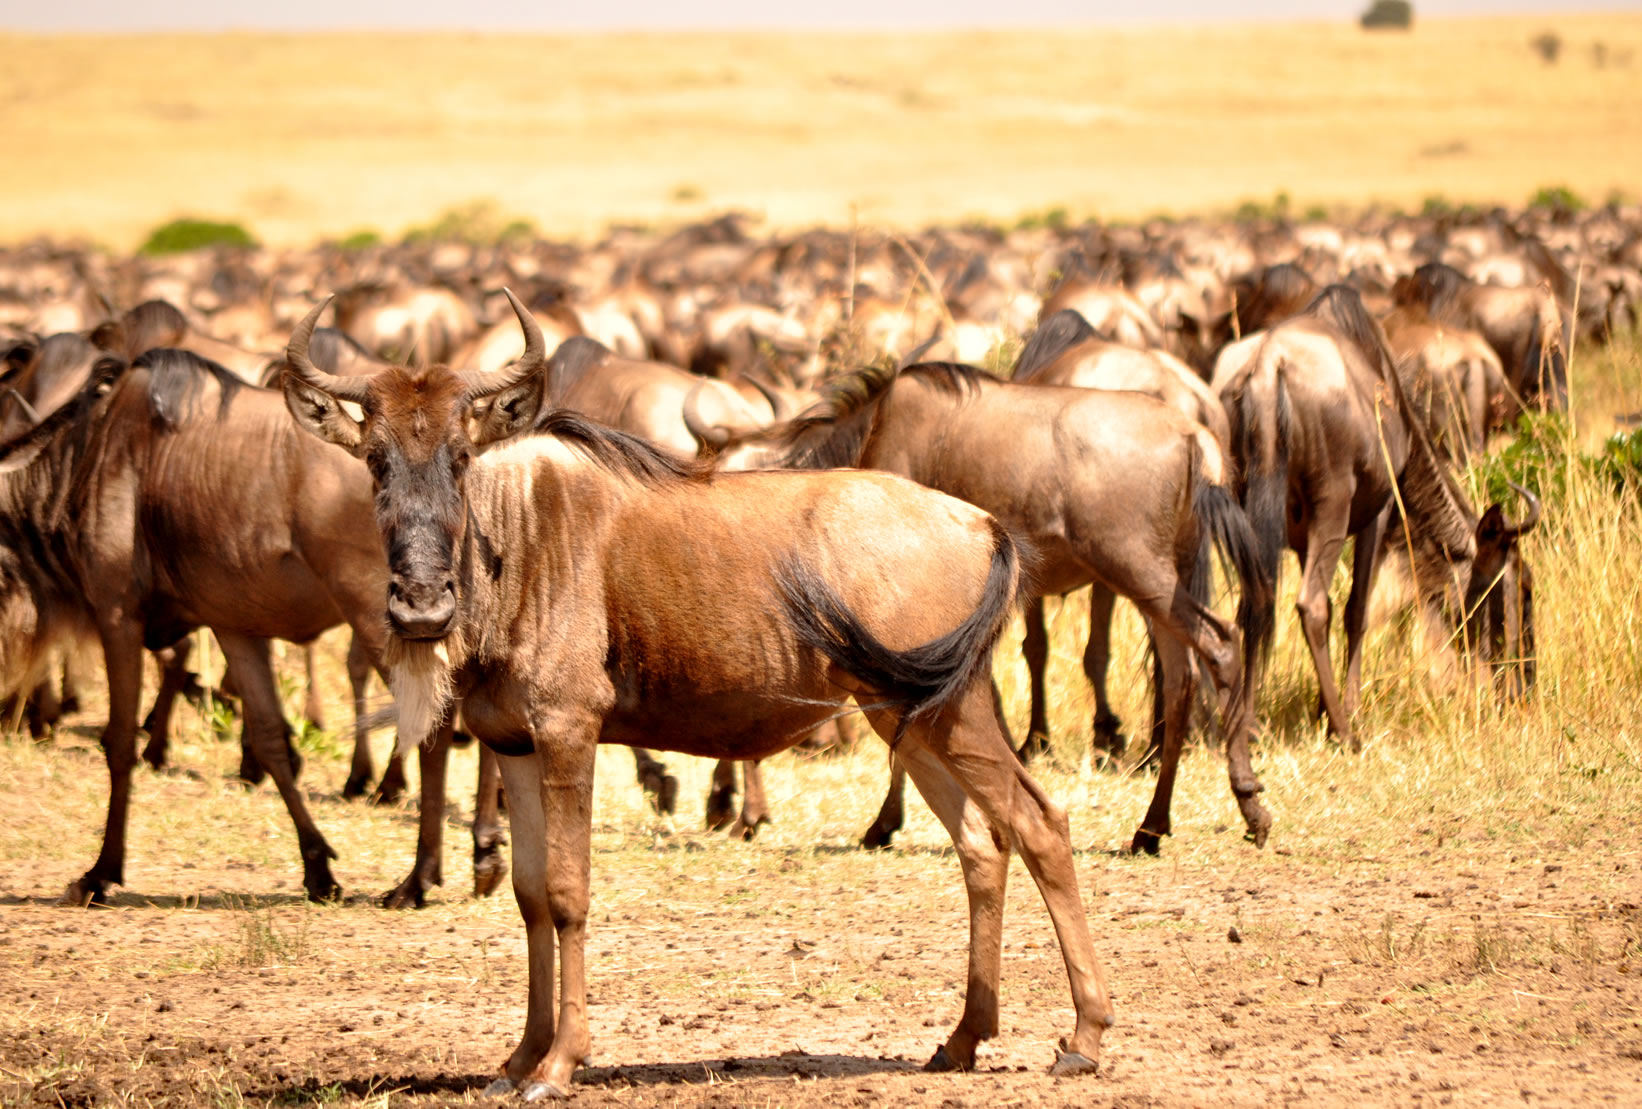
{"type": "Point", "coordinates": [1456, 966]}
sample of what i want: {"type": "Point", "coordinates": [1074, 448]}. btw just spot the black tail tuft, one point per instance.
{"type": "Point", "coordinates": [1227, 528]}
{"type": "Point", "coordinates": [1265, 509]}
{"type": "Point", "coordinates": [921, 681]}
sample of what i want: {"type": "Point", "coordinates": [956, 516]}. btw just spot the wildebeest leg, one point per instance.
{"type": "Point", "coordinates": [489, 863]}
{"type": "Point", "coordinates": [1325, 538]}
{"type": "Point", "coordinates": [173, 662]}
{"type": "Point", "coordinates": [565, 767]}
{"type": "Point", "coordinates": [755, 808]}
{"type": "Point", "coordinates": [1174, 665]}
{"type": "Point", "coordinates": [1365, 566]}
{"type": "Point", "coordinates": [123, 659]}
{"type": "Point", "coordinates": [892, 813]}
{"type": "Point", "coordinates": [662, 788]}
{"type": "Point", "coordinates": [1035, 646]}
{"type": "Point", "coordinates": [432, 760]}
{"type": "Point", "coordinates": [720, 795]}
{"type": "Point", "coordinates": [522, 779]}
{"type": "Point", "coordinates": [313, 710]}
{"type": "Point", "coordinates": [267, 734]}
{"type": "Point", "coordinates": [43, 708]}
{"type": "Point", "coordinates": [1097, 657]}
{"type": "Point", "coordinates": [360, 770]}
{"type": "Point", "coordinates": [966, 765]}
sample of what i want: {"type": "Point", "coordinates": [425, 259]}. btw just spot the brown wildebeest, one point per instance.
{"type": "Point", "coordinates": [1453, 376]}
{"type": "Point", "coordinates": [1113, 311]}
{"type": "Point", "coordinates": [1523, 325]}
{"type": "Point", "coordinates": [1114, 489]}
{"type": "Point", "coordinates": [581, 586]}
{"type": "Point", "coordinates": [404, 320]}
{"type": "Point", "coordinates": [1066, 350]}
{"type": "Point", "coordinates": [157, 323]}
{"type": "Point", "coordinates": [113, 515]}
{"type": "Point", "coordinates": [1328, 443]}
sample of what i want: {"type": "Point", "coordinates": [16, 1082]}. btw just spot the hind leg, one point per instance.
{"type": "Point", "coordinates": [1365, 566]}
{"type": "Point", "coordinates": [489, 863]}
{"type": "Point", "coordinates": [989, 803]}
{"type": "Point", "coordinates": [892, 813]}
{"type": "Point", "coordinates": [1097, 658]}
{"type": "Point", "coordinates": [1035, 646]}
{"type": "Point", "coordinates": [174, 675]}
{"type": "Point", "coordinates": [755, 807]}
{"type": "Point", "coordinates": [1326, 537]}
{"type": "Point", "coordinates": [360, 769]}
{"type": "Point", "coordinates": [1173, 682]}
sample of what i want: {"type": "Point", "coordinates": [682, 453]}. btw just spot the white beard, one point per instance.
{"type": "Point", "coordinates": [419, 676]}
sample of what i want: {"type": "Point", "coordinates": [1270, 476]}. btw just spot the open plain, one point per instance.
{"type": "Point", "coordinates": [1453, 917]}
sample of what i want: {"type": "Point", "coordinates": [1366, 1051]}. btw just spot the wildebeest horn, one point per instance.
{"type": "Point", "coordinates": [341, 386]}
{"type": "Point", "coordinates": [778, 407]}
{"type": "Point", "coordinates": [714, 437]}
{"type": "Point", "coordinates": [1532, 519]}
{"type": "Point", "coordinates": [535, 356]}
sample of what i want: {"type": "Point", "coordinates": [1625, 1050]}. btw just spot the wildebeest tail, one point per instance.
{"type": "Point", "coordinates": [1264, 433]}
{"type": "Point", "coordinates": [1225, 528]}
{"type": "Point", "coordinates": [922, 680]}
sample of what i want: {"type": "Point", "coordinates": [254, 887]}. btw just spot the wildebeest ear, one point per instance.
{"type": "Point", "coordinates": [321, 414]}
{"type": "Point", "coordinates": [508, 413]}
{"type": "Point", "coordinates": [1491, 529]}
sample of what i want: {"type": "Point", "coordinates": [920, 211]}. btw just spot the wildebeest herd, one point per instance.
{"type": "Point", "coordinates": [699, 492]}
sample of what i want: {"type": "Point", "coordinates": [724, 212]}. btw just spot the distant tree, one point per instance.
{"type": "Point", "coordinates": [1548, 45]}
{"type": "Point", "coordinates": [1397, 15]}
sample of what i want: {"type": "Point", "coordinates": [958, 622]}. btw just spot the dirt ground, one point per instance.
{"type": "Point", "coordinates": [1452, 963]}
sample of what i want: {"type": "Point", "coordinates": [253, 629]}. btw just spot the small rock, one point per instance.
{"type": "Point", "coordinates": [1220, 1047]}
{"type": "Point", "coordinates": [1234, 935]}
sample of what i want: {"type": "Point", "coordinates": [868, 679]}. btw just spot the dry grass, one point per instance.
{"type": "Point", "coordinates": [303, 136]}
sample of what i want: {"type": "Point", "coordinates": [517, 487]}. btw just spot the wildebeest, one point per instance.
{"type": "Point", "coordinates": [1524, 326]}
{"type": "Point", "coordinates": [113, 518]}
{"type": "Point", "coordinates": [1329, 446]}
{"type": "Point", "coordinates": [581, 586]}
{"type": "Point", "coordinates": [1114, 489]}
{"type": "Point", "coordinates": [1454, 377]}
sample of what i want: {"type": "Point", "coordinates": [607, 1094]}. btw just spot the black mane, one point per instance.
{"type": "Point", "coordinates": [617, 451]}
{"type": "Point", "coordinates": [1054, 337]}
{"type": "Point", "coordinates": [176, 382]}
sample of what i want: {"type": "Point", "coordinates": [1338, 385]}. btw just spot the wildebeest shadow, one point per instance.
{"type": "Point", "coordinates": [217, 900]}
{"type": "Point", "coordinates": [789, 1064]}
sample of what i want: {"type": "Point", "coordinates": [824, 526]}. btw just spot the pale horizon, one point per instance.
{"type": "Point", "coordinates": [720, 15]}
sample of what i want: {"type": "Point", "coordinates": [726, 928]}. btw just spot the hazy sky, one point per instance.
{"type": "Point", "coordinates": [549, 15]}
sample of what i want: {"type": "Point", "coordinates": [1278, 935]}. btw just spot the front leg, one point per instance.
{"type": "Point", "coordinates": [565, 754]}
{"type": "Point", "coordinates": [432, 759]}
{"type": "Point", "coordinates": [123, 659]}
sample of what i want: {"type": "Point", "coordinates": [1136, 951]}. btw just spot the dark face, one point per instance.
{"type": "Point", "coordinates": [1499, 604]}
{"type": "Point", "coordinates": [418, 451]}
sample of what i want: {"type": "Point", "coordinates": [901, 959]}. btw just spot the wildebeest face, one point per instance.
{"type": "Point", "coordinates": [414, 436]}
{"type": "Point", "coordinates": [1499, 600]}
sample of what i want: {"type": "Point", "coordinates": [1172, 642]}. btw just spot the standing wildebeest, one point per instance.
{"type": "Point", "coordinates": [1329, 444]}
{"type": "Point", "coordinates": [1523, 325]}
{"type": "Point", "coordinates": [174, 496]}
{"type": "Point", "coordinates": [581, 587]}
{"type": "Point", "coordinates": [1454, 379]}
{"type": "Point", "coordinates": [1114, 489]}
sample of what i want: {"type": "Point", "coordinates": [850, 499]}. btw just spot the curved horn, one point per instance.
{"type": "Point", "coordinates": [1532, 519]}
{"type": "Point", "coordinates": [778, 406]}
{"type": "Point", "coordinates": [296, 356]}
{"type": "Point", "coordinates": [707, 436]}
{"type": "Point", "coordinates": [480, 384]}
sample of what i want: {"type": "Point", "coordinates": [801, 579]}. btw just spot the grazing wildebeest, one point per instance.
{"type": "Point", "coordinates": [581, 586]}
{"type": "Point", "coordinates": [1114, 489]}
{"type": "Point", "coordinates": [1523, 325]}
{"type": "Point", "coordinates": [1328, 446]}
{"type": "Point", "coordinates": [116, 515]}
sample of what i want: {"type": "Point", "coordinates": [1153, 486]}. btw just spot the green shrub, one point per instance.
{"type": "Point", "coordinates": [194, 234]}
{"type": "Point", "coordinates": [1557, 198]}
{"type": "Point", "coordinates": [1542, 457]}
{"type": "Point", "coordinates": [360, 240]}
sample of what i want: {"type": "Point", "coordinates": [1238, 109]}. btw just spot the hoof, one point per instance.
{"type": "Point", "coordinates": [355, 788]}
{"type": "Point", "coordinates": [543, 1091]}
{"type": "Point", "coordinates": [1146, 843]}
{"type": "Point", "coordinates": [388, 792]}
{"type": "Point", "coordinates": [324, 892]}
{"type": "Point", "coordinates": [1069, 1063]}
{"type": "Point", "coordinates": [412, 893]}
{"type": "Point", "coordinates": [876, 838]}
{"type": "Point", "coordinates": [668, 801]}
{"type": "Point", "coordinates": [499, 1088]}
{"type": "Point", "coordinates": [83, 893]}
{"type": "Point", "coordinates": [488, 873]}
{"type": "Point", "coordinates": [942, 1063]}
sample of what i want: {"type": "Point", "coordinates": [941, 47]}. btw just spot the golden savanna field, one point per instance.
{"type": "Point", "coordinates": [1451, 917]}
{"type": "Point", "coordinates": [302, 137]}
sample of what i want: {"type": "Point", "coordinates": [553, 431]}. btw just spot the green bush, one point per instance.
{"type": "Point", "coordinates": [360, 240]}
{"type": "Point", "coordinates": [1557, 198]}
{"type": "Point", "coordinates": [194, 234]}
{"type": "Point", "coordinates": [1542, 457]}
